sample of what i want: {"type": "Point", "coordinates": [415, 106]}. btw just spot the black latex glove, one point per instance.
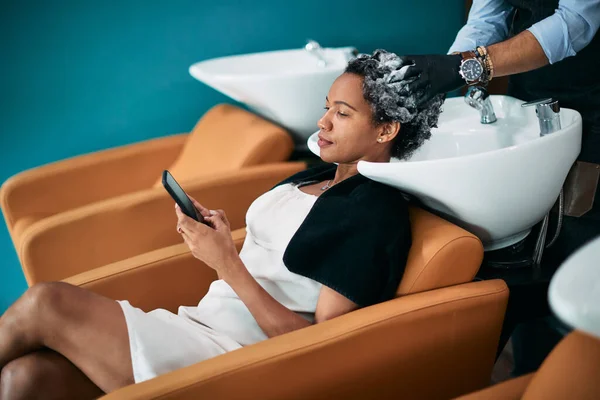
{"type": "Point", "coordinates": [435, 74]}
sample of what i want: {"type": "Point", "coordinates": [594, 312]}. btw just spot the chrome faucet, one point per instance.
{"type": "Point", "coordinates": [479, 98]}
{"type": "Point", "coordinates": [316, 50]}
{"type": "Point", "coordinates": [548, 113]}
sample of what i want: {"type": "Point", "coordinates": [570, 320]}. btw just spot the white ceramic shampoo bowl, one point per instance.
{"type": "Point", "coordinates": [497, 180]}
{"type": "Point", "coordinates": [286, 86]}
{"type": "Point", "coordinates": [574, 291]}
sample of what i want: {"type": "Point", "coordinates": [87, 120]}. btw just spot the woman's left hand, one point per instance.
{"type": "Point", "coordinates": [212, 244]}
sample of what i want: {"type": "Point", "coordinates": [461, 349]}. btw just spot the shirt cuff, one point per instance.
{"type": "Point", "coordinates": [460, 48]}
{"type": "Point", "coordinates": [553, 35]}
{"type": "Point", "coordinates": [465, 40]}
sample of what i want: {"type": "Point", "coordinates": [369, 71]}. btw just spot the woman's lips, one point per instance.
{"type": "Point", "coordinates": [322, 142]}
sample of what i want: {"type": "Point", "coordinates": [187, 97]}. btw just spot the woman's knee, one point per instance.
{"type": "Point", "coordinates": [45, 375]}
{"type": "Point", "coordinates": [19, 378]}
{"type": "Point", "coordinates": [48, 297]}
{"type": "Point", "coordinates": [45, 306]}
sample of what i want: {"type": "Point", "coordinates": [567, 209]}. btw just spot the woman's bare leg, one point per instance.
{"type": "Point", "coordinates": [45, 374]}
{"type": "Point", "coordinates": [87, 329]}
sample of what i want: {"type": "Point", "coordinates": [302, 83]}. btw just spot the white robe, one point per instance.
{"type": "Point", "coordinates": [161, 341]}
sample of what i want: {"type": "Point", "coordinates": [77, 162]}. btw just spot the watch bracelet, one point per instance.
{"type": "Point", "coordinates": [482, 54]}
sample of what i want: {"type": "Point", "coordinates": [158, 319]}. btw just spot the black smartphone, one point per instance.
{"type": "Point", "coordinates": [180, 197]}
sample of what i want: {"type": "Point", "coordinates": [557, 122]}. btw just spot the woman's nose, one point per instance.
{"type": "Point", "coordinates": [324, 123]}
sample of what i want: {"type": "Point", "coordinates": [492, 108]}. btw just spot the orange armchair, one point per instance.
{"type": "Point", "coordinates": [437, 339]}
{"type": "Point", "coordinates": [570, 371]}
{"type": "Point", "coordinates": [122, 227]}
{"type": "Point", "coordinates": [225, 139]}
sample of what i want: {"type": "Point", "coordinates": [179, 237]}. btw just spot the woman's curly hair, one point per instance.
{"type": "Point", "coordinates": [385, 90]}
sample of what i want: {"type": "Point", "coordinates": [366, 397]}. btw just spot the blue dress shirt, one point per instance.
{"type": "Point", "coordinates": [571, 27]}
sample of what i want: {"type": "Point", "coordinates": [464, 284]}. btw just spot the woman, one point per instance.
{"type": "Point", "coordinates": [320, 244]}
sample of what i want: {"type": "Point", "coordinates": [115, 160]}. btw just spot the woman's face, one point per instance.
{"type": "Point", "coordinates": [347, 132]}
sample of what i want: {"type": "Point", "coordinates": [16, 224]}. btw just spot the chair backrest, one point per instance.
{"type": "Point", "coordinates": [228, 138]}
{"type": "Point", "coordinates": [571, 370]}
{"type": "Point", "coordinates": [442, 254]}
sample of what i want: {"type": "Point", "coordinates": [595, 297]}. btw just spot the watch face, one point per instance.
{"type": "Point", "coordinates": [471, 69]}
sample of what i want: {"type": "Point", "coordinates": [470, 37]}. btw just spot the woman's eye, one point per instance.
{"type": "Point", "coordinates": [326, 108]}
{"type": "Point", "coordinates": [341, 114]}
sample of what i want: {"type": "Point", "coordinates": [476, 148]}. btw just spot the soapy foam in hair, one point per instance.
{"type": "Point", "coordinates": [384, 88]}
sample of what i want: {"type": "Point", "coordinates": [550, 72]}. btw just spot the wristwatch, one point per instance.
{"type": "Point", "coordinates": [471, 69]}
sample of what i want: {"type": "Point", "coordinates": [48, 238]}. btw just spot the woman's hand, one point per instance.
{"type": "Point", "coordinates": [212, 244]}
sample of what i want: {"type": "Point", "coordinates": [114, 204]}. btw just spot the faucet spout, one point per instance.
{"type": "Point", "coordinates": [314, 48]}
{"type": "Point", "coordinates": [479, 98]}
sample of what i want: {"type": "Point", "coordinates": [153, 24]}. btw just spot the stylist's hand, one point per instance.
{"type": "Point", "coordinates": [433, 74]}
{"type": "Point", "coordinates": [212, 244]}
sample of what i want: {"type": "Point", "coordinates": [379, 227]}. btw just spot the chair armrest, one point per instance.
{"type": "Point", "coordinates": [165, 278]}
{"type": "Point", "coordinates": [436, 344]}
{"type": "Point", "coordinates": [511, 389]}
{"type": "Point", "coordinates": [74, 182]}
{"type": "Point", "coordinates": [570, 371]}
{"type": "Point", "coordinates": [105, 232]}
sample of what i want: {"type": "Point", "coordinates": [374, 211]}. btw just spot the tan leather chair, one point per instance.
{"type": "Point", "coordinates": [115, 229]}
{"type": "Point", "coordinates": [436, 340]}
{"type": "Point", "coordinates": [225, 139]}
{"type": "Point", "coordinates": [571, 371]}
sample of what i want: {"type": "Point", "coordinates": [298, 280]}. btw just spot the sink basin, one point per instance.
{"type": "Point", "coordinates": [287, 86]}
{"type": "Point", "coordinates": [496, 181]}
{"type": "Point", "coordinates": [574, 292]}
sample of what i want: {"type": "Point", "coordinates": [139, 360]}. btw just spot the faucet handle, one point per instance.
{"type": "Point", "coordinates": [544, 106]}
{"type": "Point", "coordinates": [538, 101]}
{"type": "Point", "coordinates": [548, 112]}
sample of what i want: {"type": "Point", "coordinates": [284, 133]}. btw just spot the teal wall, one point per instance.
{"type": "Point", "coordinates": [78, 76]}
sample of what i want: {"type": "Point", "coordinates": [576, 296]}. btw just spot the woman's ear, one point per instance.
{"type": "Point", "coordinates": [389, 131]}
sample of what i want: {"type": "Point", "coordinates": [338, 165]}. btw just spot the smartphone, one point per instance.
{"type": "Point", "coordinates": [180, 197]}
